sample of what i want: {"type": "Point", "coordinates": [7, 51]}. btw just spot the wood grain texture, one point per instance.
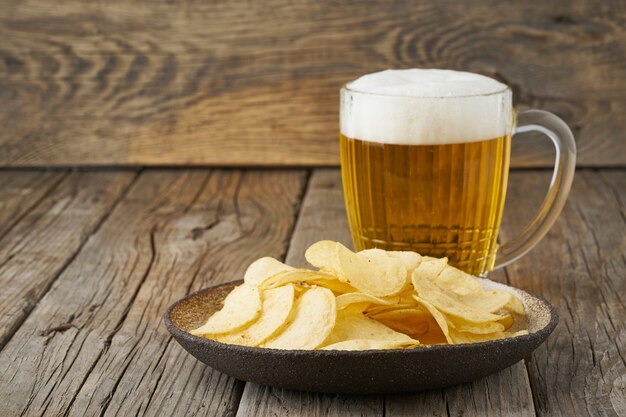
{"type": "Point", "coordinates": [22, 190]}
{"type": "Point", "coordinates": [174, 232]}
{"type": "Point", "coordinates": [40, 245]}
{"type": "Point", "coordinates": [239, 83]}
{"type": "Point", "coordinates": [506, 393]}
{"type": "Point", "coordinates": [580, 267]}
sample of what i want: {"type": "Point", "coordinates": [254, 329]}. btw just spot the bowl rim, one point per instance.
{"type": "Point", "coordinates": [177, 332]}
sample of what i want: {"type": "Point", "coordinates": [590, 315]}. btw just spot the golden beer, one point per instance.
{"type": "Point", "coordinates": [425, 159]}
{"type": "Point", "coordinates": [438, 200]}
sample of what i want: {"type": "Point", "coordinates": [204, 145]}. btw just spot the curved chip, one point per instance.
{"type": "Point", "coordinates": [262, 269]}
{"type": "Point", "coordinates": [292, 276]}
{"type": "Point", "coordinates": [411, 260]}
{"type": "Point", "coordinates": [372, 271]}
{"type": "Point", "coordinates": [323, 255]}
{"type": "Point", "coordinates": [351, 325]}
{"type": "Point", "coordinates": [446, 303]}
{"type": "Point", "coordinates": [365, 344]}
{"type": "Point", "coordinates": [430, 268]}
{"type": "Point", "coordinates": [486, 327]}
{"type": "Point", "coordinates": [462, 283]}
{"type": "Point", "coordinates": [488, 301]}
{"type": "Point", "coordinates": [334, 285]}
{"type": "Point", "coordinates": [345, 300]}
{"type": "Point", "coordinates": [312, 320]}
{"type": "Point", "coordinates": [241, 306]}
{"type": "Point", "coordinates": [277, 305]}
{"type": "Point", "coordinates": [438, 316]}
{"type": "Point", "coordinates": [461, 337]}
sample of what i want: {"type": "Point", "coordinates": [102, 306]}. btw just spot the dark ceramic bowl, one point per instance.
{"type": "Point", "coordinates": [357, 372]}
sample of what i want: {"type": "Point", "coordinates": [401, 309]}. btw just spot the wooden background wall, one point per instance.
{"type": "Point", "coordinates": [136, 82]}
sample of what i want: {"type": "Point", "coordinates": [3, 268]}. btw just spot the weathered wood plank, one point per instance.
{"type": "Point", "coordinates": [20, 191]}
{"type": "Point", "coordinates": [41, 244]}
{"type": "Point", "coordinates": [580, 268]}
{"type": "Point", "coordinates": [176, 231]}
{"type": "Point", "coordinates": [242, 82]}
{"type": "Point", "coordinates": [506, 393]}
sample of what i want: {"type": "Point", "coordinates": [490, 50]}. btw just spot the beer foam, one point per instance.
{"type": "Point", "coordinates": [425, 107]}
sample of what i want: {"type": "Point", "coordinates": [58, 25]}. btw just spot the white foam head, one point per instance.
{"type": "Point", "coordinates": [425, 107]}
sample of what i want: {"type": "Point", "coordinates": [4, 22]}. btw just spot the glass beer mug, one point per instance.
{"type": "Point", "coordinates": [425, 161]}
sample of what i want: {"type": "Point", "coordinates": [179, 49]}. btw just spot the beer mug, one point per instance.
{"type": "Point", "coordinates": [425, 161]}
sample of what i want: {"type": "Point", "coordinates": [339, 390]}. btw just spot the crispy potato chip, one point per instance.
{"type": "Point", "coordinates": [446, 303]}
{"type": "Point", "coordinates": [351, 326]}
{"type": "Point", "coordinates": [430, 268]}
{"type": "Point", "coordinates": [293, 276]}
{"type": "Point", "coordinates": [411, 329]}
{"type": "Point", "coordinates": [416, 314]}
{"type": "Point", "coordinates": [264, 268]}
{"type": "Point", "coordinates": [462, 325]}
{"type": "Point", "coordinates": [506, 320]}
{"type": "Point", "coordinates": [434, 335]}
{"type": "Point", "coordinates": [410, 259]}
{"type": "Point", "coordinates": [312, 320]}
{"type": "Point", "coordinates": [365, 344]}
{"type": "Point", "coordinates": [461, 337]}
{"type": "Point", "coordinates": [277, 304]}
{"type": "Point", "coordinates": [515, 306]}
{"type": "Point", "coordinates": [241, 306]}
{"type": "Point", "coordinates": [358, 297]}
{"type": "Point", "coordinates": [452, 279]}
{"type": "Point", "coordinates": [324, 256]}
{"type": "Point", "coordinates": [439, 318]}
{"type": "Point", "coordinates": [334, 285]}
{"type": "Point", "coordinates": [372, 271]}
{"type": "Point", "coordinates": [488, 301]}
{"type": "Point", "coordinates": [356, 308]}
{"type": "Point", "coordinates": [413, 322]}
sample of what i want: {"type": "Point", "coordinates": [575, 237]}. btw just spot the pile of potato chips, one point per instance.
{"type": "Point", "coordinates": [373, 299]}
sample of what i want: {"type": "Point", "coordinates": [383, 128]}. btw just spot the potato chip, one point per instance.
{"type": "Point", "coordinates": [462, 325]}
{"type": "Point", "coordinates": [515, 306]}
{"type": "Point", "coordinates": [264, 268]}
{"type": "Point", "coordinates": [312, 320]}
{"type": "Point", "coordinates": [462, 337]}
{"type": "Point", "coordinates": [410, 259]}
{"type": "Point", "coordinates": [275, 310]}
{"type": "Point", "coordinates": [488, 301]}
{"type": "Point", "coordinates": [351, 326]}
{"type": "Point", "coordinates": [439, 318]}
{"type": "Point", "coordinates": [413, 322]}
{"type": "Point", "coordinates": [416, 314]}
{"type": "Point", "coordinates": [446, 303]}
{"type": "Point", "coordinates": [365, 344]}
{"type": "Point", "coordinates": [324, 256]}
{"type": "Point", "coordinates": [455, 280]}
{"type": "Point", "coordinates": [430, 268]}
{"type": "Point", "coordinates": [334, 285]}
{"type": "Point", "coordinates": [411, 329]}
{"type": "Point", "coordinates": [358, 297]}
{"type": "Point", "coordinates": [241, 306]}
{"type": "Point", "coordinates": [506, 320]}
{"type": "Point", "coordinates": [293, 276]}
{"type": "Point", "coordinates": [372, 271]}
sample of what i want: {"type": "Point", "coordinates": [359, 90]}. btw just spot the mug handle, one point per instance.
{"type": "Point", "coordinates": [564, 166]}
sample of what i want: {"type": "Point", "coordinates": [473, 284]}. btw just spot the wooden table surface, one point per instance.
{"type": "Point", "coordinates": [90, 260]}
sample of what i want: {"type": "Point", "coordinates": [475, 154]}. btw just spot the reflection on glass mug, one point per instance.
{"type": "Point", "coordinates": [425, 161]}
